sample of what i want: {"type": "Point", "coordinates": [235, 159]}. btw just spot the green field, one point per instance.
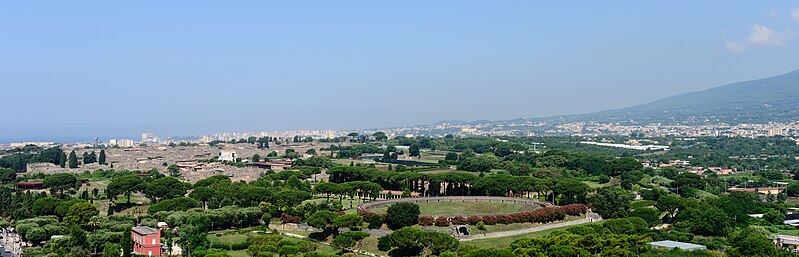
{"type": "Point", "coordinates": [237, 236]}
{"type": "Point", "coordinates": [501, 242]}
{"type": "Point", "coordinates": [228, 238]}
{"type": "Point", "coordinates": [440, 208]}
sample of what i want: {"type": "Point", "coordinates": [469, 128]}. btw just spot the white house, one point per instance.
{"type": "Point", "coordinates": [228, 155]}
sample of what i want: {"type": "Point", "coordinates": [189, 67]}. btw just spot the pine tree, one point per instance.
{"type": "Point", "coordinates": [73, 160]}
{"type": "Point", "coordinates": [101, 159]}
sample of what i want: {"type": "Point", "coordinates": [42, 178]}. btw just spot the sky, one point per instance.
{"type": "Point", "coordinates": [75, 70]}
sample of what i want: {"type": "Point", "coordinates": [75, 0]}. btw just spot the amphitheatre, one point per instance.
{"type": "Point", "coordinates": [451, 206]}
{"type": "Point", "coordinates": [460, 207]}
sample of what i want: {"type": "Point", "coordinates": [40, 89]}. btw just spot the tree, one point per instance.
{"type": "Point", "coordinates": [61, 182]}
{"type": "Point", "coordinates": [349, 240]}
{"type": "Point", "coordinates": [89, 157]}
{"type": "Point", "coordinates": [202, 194]}
{"type": "Point", "coordinates": [165, 188]}
{"type": "Point", "coordinates": [126, 185]}
{"type": "Point", "coordinates": [101, 159]}
{"type": "Point", "coordinates": [62, 160]}
{"type": "Point", "coordinates": [351, 221]}
{"type": "Point", "coordinates": [36, 235]}
{"type": "Point", "coordinates": [414, 150]}
{"type": "Point", "coordinates": [111, 250]}
{"type": "Point", "coordinates": [375, 222]}
{"type": "Point", "coordinates": [451, 156]}
{"type": "Point", "coordinates": [73, 160]}
{"type": "Point", "coordinates": [322, 219]}
{"type": "Point", "coordinates": [45, 206]}
{"type": "Point", "coordinates": [709, 221]}
{"type": "Point", "coordinates": [290, 197]}
{"type": "Point", "coordinates": [688, 180]}
{"type": "Point", "coordinates": [611, 202]}
{"type": "Point", "coordinates": [570, 191]}
{"type": "Point", "coordinates": [7, 175]}
{"type": "Point", "coordinates": [174, 204]}
{"type": "Point", "coordinates": [256, 158]}
{"type": "Point", "coordinates": [774, 217]}
{"type": "Point", "coordinates": [402, 215]}
{"type": "Point", "coordinates": [650, 215]}
{"type": "Point", "coordinates": [620, 165]}
{"type": "Point", "coordinates": [793, 189]}
{"type": "Point", "coordinates": [630, 178]}
{"type": "Point", "coordinates": [410, 241]}
{"type": "Point", "coordinates": [80, 213]}
{"type": "Point", "coordinates": [173, 170]}
{"type": "Point", "coordinates": [670, 203]}
{"type": "Point", "coordinates": [751, 242]}
{"type": "Point", "coordinates": [380, 136]}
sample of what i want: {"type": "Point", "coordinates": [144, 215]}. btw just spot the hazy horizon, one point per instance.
{"type": "Point", "coordinates": [75, 71]}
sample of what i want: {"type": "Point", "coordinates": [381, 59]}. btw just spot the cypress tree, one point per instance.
{"type": "Point", "coordinates": [73, 160]}
{"type": "Point", "coordinates": [62, 160]}
{"type": "Point", "coordinates": [101, 159]}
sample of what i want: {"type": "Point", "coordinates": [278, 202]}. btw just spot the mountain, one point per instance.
{"type": "Point", "coordinates": [773, 99]}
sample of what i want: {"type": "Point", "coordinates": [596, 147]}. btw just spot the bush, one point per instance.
{"type": "Point", "coordinates": [473, 220]}
{"type": "Point", "coordinates": [401, 215]}
{"type": "Point", "coordinates": [504, 219]}
{"type": "Point", "coordinates": [458, 220]}
{"type": "Point", "coordinates": [426, 220]}
{"type": "Point", "coordinates": [490, 219]}
{"type": "Point", "coordinates": [375, 222]}
{"type": "Point", "coordinates": [286, 218]}
{"type": "Point", "coordinates": [442, 221]}
{"type": "Point", "coordinates": [306, 247]}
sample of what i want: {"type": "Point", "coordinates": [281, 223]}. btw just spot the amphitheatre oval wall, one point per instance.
{"type": "Point", "coordinates": [454, 199]}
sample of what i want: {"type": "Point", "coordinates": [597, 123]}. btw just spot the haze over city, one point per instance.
{"type": "Point", "coordinates": [399, 128]}
{"type": "Point", "coordinates": [78, 70]}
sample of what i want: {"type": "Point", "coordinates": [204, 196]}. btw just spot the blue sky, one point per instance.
{"type": "Point", "coordinates": [75, 70]}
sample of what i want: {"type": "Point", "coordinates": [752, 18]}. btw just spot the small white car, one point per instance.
{"type": "Point", "coordinates": [8, 251]}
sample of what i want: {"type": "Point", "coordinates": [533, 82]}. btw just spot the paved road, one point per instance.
{"type": "Point", "coordinates": [3, 252]}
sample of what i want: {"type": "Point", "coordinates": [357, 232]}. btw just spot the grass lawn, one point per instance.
{"type": "Point", "coordinates": [239, 253]}
{"type": "Point", "coordinates": [465, 208]}
{"type": "Point", "coordinates": [228, 238]}
{"type": "Point", "coordinates": [501, 242]}
{"type": "Point", "coordinates": [592, 184]}
{"type": "Point", "coordinates": [236, 236]}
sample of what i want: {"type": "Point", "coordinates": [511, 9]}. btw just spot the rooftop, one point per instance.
{"type": "Point", "coordinates": [674, 244]}
{"type": "Point", "coordinates": [144, 230]}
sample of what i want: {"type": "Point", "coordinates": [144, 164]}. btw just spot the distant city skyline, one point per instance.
{"type": "Point", "coordinates": [74, 71]}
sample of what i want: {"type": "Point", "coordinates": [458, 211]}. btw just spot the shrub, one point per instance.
{"type": "Point", "coordinates": [239, 246]}
{"type": "Point", "coordinates": [504, 219]}
{"type": "Point", "coordinates": [286, 218]}
{"type": "Point", "coordinates": [426, 220]}
{"type": "Point", "coordinates": [473, 220]}
{"type": "Point", "coordinates": [442, 221]}
{"type": "Point", "coordinates": [490, 219]}
{"type": "Point", "coordinates": [306, 247]}
{"type": "Point", "coordinates": [458, 220]}
{"type": "Point", "coordinates": [375, 222]}
{"type": "Point", "coordinates": [401, 215]}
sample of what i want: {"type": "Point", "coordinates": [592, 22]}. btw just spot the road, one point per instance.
{"type": "Point", "coordinates": [8, 243]}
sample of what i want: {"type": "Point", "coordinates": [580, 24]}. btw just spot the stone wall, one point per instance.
{"type": "Point", "coordinates": [455, 199]}
{"type": "Point", "coordinates": [590, 217]}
